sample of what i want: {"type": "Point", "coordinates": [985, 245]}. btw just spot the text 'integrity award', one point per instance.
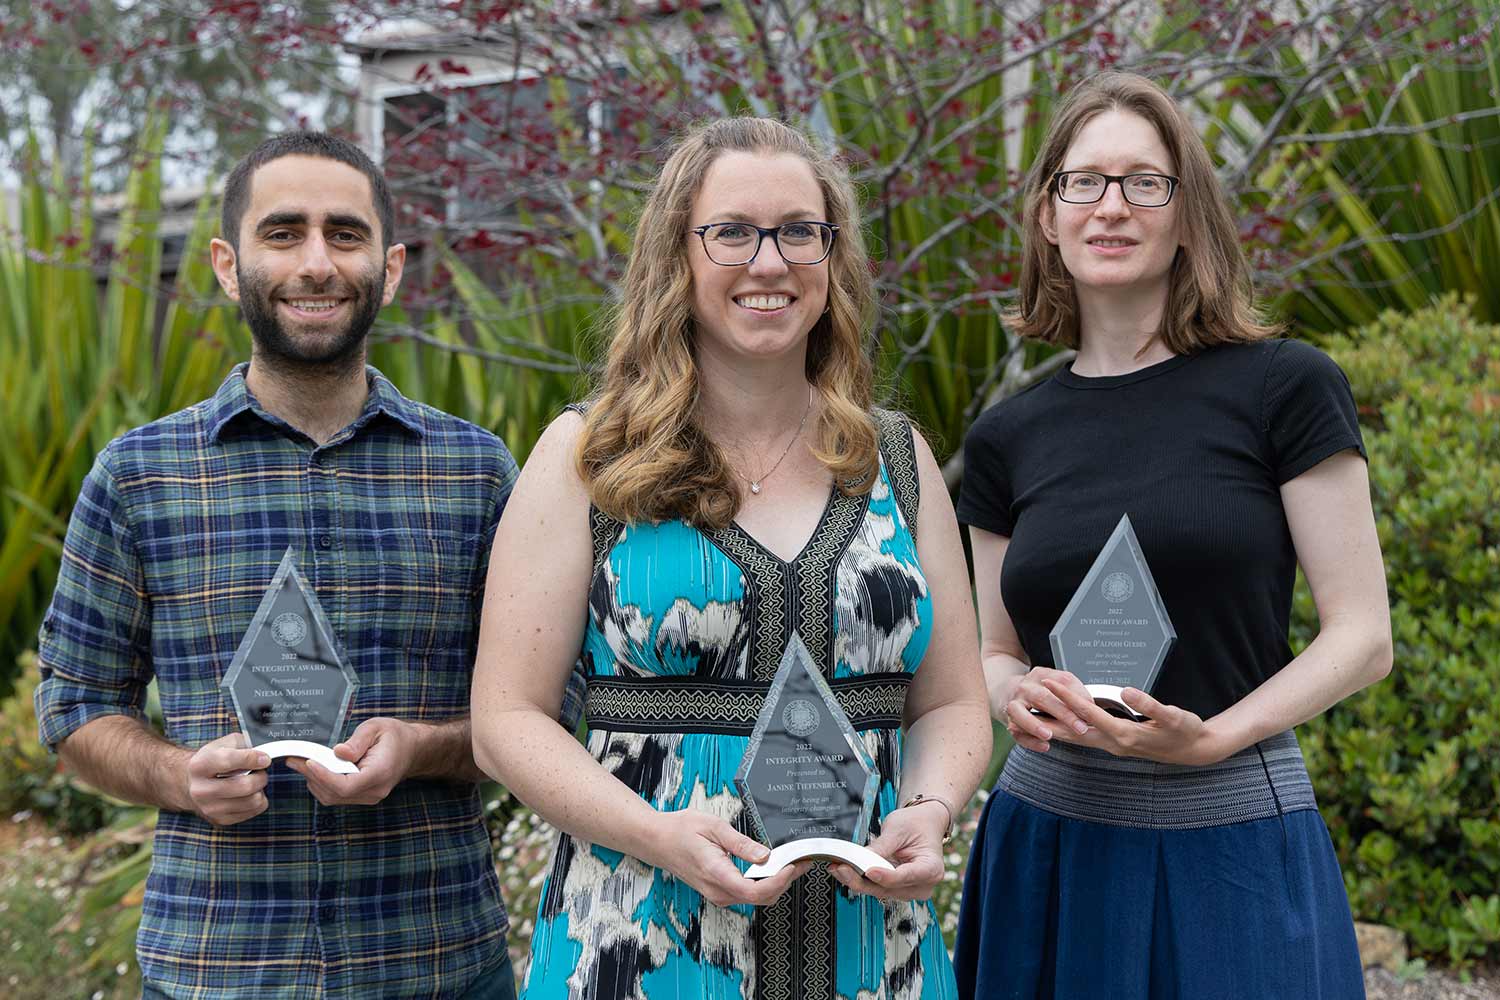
{"type": "Point", "coordinates": [288, 684]}
{"type": "Point", "coordinates": [806, 777]}
{"type": "Point", "coordinates": [1115, 632]}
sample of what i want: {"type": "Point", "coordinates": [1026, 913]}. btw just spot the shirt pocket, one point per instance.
{"type": "Point", "coordinates": [426, 585]}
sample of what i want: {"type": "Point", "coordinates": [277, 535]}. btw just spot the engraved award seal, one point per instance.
{"type": "Point", "coordinates": [1117, 588]}
{"type": "Point", "coordinates": [289, 629]}
{"type": "Point", "coordinates": [800, 717]}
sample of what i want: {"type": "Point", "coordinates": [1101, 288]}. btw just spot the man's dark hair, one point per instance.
{"type": "Point", "coordinates": [329, 147]}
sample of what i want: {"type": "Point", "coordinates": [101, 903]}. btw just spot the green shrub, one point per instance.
{"type": "Point", "coordinates": [1407, 771]}
{"type": "Point", "coordinates": [31, 779]}
{"type": "Point", "coordinates": [75, 899]}
{"type": "Point", "coordinates": [46, 954]}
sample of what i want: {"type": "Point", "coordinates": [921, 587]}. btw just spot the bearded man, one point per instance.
{"type": "Point", "coordinates": [282, 878]}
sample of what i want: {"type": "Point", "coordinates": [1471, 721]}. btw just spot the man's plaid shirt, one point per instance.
{"type": "Point", "coordinates": [174, 539]}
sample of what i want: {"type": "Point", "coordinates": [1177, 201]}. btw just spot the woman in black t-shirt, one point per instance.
{"type": "Point", "coordinates": [1181, 856]}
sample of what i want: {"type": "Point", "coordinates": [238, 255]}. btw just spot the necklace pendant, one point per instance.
{"type": "Point", "coordinates": [755, 487]}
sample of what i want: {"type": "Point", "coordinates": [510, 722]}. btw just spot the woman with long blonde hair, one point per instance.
{"type": "Point", "coordinates": [1174, 849]}
{"type": "Point", "coordinates": [727, 491]}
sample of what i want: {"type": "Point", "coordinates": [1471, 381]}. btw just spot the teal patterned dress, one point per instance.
{"type": "Point", "coordinates": [685, 631]}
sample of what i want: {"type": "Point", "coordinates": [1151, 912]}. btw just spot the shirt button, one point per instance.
{"type": "Point", "coordinates": [325, 541]}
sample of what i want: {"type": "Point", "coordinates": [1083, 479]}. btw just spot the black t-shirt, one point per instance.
{"type": "Point", "coordinates": [1194, 449]}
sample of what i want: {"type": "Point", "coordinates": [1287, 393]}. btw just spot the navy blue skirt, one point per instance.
{"type": "Point", "coordinates": [1139, 881]}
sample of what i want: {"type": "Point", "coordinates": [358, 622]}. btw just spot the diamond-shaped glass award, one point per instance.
{"type": "Point", "coordinates": [806, 777]}
{"type": "Point", "coordinates": [287, 682]}
{"type": "Point", "coordinates": [1115, 632]}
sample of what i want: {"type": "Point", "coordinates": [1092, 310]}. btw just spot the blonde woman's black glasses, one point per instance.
{"type": "Point", "coordinates": [734, 243]}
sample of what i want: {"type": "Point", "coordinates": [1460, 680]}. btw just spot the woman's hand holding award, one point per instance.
{"type": "Point", "coordinates": [288, 684]}
{"type": "Point", "coordinates": [806, 778]}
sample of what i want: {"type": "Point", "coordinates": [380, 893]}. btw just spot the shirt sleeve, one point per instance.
{"type": "Point", "coordinates": [1308, 410]}
{"type": "Point", "coordinates": [505, 480]}
{"type": "Point", "coordinates": [984, 499]}
{"type": "Point", "coordinates": [95, 642]}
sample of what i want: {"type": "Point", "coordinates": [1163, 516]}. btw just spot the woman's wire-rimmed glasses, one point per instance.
{"type": "Point", "coordinates": [1085, 187]}
{"type": "Point", "coordinates": [731, 244]}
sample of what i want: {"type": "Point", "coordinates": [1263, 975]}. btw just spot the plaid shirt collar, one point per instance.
{"type": "Point", "coordinates": [234, 400]}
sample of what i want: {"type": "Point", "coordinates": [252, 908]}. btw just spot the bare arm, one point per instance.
{"type": "Point", "coordinates": [124, 757]}
{"type": "Point", "coordinates": [530, 633]}
{"type": "Point", "coordinates": [1333, 530]}
{"type": "Point", "coordinates": [1015, 688]}
{"type": "Point", "coordinates": [444, 750]}
{"type": "Point", "coordinates": [948, 735]}
{"type": "Point", "coordinates": [1005, 662]}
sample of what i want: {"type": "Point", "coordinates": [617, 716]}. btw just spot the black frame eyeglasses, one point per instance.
{"type": "Point", "coordinates": [712, 237]}
{"type": "Point", "coordinates": [1140, 198]}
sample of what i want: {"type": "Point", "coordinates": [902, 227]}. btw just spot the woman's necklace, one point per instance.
{"type": "Point", "coordinates": [755, 483]}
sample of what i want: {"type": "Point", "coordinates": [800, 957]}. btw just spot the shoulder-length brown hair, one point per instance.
{"type": "Point", "coordinates": [643, 455]}
{"type": "Point", "coordinates": [1210, 299]}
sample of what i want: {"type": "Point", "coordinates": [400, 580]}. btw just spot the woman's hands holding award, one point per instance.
{"type": "Point", "coordinates": [698, 848]}
{"type": "Point", "coordinates": [1167, 734]}
{"type": "Point", "coordinates": [1115, 634]}
{"type": "Point", "coordinates": [807, 781]}
{"type": "Point", "coordinates": [1109, 646]}
{"type": "Point", "coordinates": [809, 790]}
{"type": "Point", "coordinates": [912, 837]}
{"type": "Point", "coordinates": [1047, 704]}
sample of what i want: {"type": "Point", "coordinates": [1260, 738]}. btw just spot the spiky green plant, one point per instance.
{"type": "Point", "coordinates": [1378, 187]}
{"type": "Point", "coordinates": [77, 371]}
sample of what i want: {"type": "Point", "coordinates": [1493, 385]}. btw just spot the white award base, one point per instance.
{"type": "Point", "coordinates": [312, 751]}
{"type": "Point", "coordinates": [1111, 698]}
{"type": "Point", "coordinates": [823, 848]}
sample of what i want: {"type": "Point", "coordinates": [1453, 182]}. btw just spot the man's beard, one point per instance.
{"type": "Point", "coordinates": [342, 352]}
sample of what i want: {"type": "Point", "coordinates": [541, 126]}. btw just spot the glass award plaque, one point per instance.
{"type": "Point", "coordinates": [1115, 632]}
{"type": "Point", "coordinates": [287, 682]}
{"type": "Point", "coordinates": [806, 778]}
